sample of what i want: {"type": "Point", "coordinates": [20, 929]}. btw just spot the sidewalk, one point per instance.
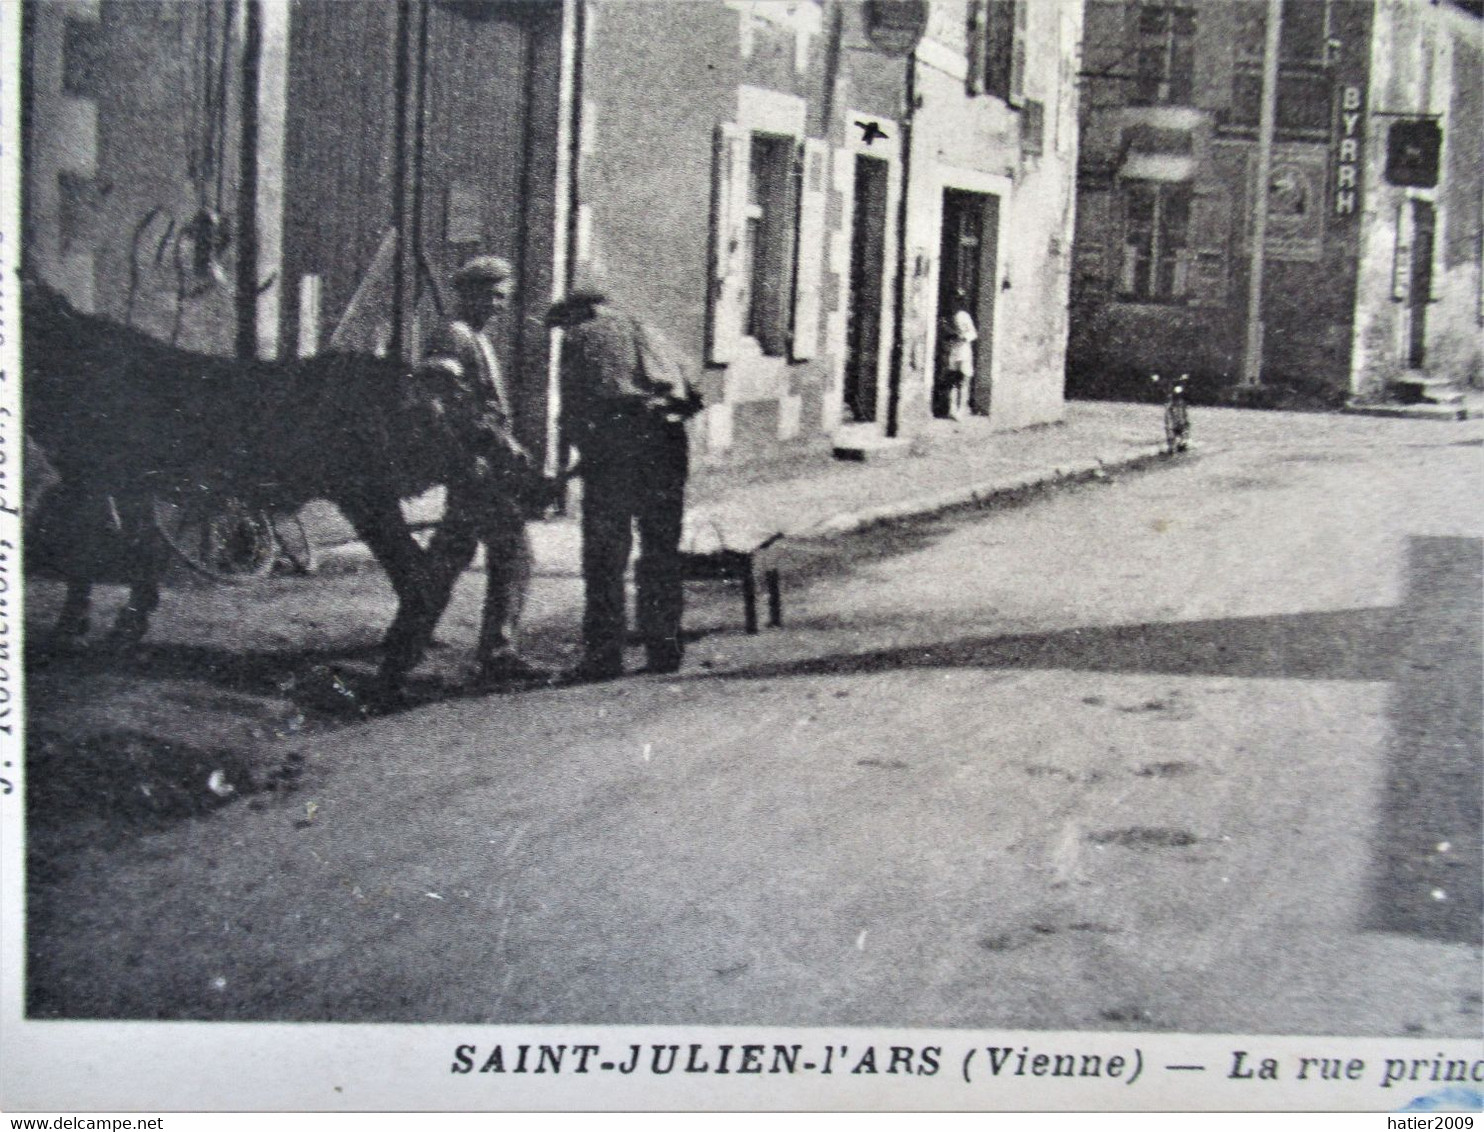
{"type": "Point", "coordinates": [948, 463]}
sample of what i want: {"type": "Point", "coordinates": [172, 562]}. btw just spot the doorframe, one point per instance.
{"type": "Point", "coordinates": [987, 184]}
{"type": "Point", "coordinates": [887, 149]}
{"type": "Point", "coordinates": [1421, 269]}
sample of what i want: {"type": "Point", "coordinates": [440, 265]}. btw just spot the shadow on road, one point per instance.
{"type": "Point", "coordinates": [1428, 876]}
{"type": "Point", "coordinates": [1427, 879]}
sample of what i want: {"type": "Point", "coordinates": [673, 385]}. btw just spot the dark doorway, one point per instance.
{"type": "Point", "coordinates": [967, 270]}
{"type": "Point", "coordinates": [867, 267]}
{"type": "Point", "coordinates": [1420, 291]}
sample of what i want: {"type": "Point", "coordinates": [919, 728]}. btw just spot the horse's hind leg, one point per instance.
{"type": "Point", "coordinates": [132, 621]}
{"type": "Point", "coordinates": [74, 621]}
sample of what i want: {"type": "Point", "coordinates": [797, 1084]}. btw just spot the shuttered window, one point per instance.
{"type": "Point", "coordinates": [730, 180]}
{"type": "Point", "coordinates": [1095, 231]}
{"type": "Point", "coordinates": [997, 47]}
{"type": "Point", "coordinates": [978, 20]}
{"type": "Point", "coordinates": [809, 258]}
{"type": "Point", "coordinates": [1166, 55]}
{"type": "Point", "coordinates": [769, 234]}
{"type": "Point", "coordinates": [1156, 220]}
{"type": "Point", "coordinates": [1210, 230]}
{"type": "Point", "coordinates": [1020, 21]}
{"type": "Point", "coordinates": [768, 220]}
{"type": "Point", "coordinates": [1174, 246]}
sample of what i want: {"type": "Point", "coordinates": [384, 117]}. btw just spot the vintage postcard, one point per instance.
{"type": "Point", "coordinates": [741, 555]}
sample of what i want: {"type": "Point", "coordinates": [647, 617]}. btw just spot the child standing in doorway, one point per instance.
{"type": "Point", "coordinates": [960, 334]}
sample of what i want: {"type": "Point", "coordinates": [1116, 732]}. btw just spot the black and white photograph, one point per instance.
{"type": "Point", "coordinates": [742, 555]}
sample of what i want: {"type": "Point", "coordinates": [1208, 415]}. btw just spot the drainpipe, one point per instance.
{"type": "Point", "coordinates": [1267, 123]}
{"type": "Point", "coordinates": [568, 189]}
{"type": "Point", "coordinates": [247, 192]}
{"type": "Point", "coordinates": [401, 200]}
{"type": "Point", "coordinates": [899, 314]}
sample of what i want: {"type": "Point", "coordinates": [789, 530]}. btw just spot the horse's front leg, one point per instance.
{"type": "Point", "coordinates": [413, 576]}
{"type": "Point", "coordinates": [148, 554]}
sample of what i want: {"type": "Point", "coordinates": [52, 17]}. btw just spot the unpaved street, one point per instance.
{"type": "Point", "coordinates": [1196, 749]}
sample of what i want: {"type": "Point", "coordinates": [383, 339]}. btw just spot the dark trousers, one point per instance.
{"type": "Point", "coordinates": [628, 481]}
{"type": "Point", "coordinates": [475, 512]}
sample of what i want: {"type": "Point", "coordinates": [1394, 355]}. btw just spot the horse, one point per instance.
{"type": "Point", "coordinates": [122, 417]}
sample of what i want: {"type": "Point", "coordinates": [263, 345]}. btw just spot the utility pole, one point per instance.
{"type": "Point", "coordinates": [1266, 126]}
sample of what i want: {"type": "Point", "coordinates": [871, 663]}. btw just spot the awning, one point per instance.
{"type": "Point", "coordinates": [1168, 167]}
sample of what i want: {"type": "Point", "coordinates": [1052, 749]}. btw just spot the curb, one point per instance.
{"type": "Point", "coordinates": [980, 493]}
{"type": "Point", "coordinates": [354, 556]}
{"type": "Point", "coordinates": [1422, 411]}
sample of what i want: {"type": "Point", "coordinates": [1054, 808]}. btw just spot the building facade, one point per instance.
{"type": "Point", "coordinates": [1371, 264]}
{"type": "Point", "coordinates": [797, 192]}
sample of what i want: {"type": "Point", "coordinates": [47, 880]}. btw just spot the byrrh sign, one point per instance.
{"type": "Point", "coordinates": [1349, 139]}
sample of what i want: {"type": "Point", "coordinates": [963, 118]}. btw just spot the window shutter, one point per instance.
{"type": "Point", "coordinates": [1033, 126]}
{"type": "Point", "coordinates": [1094, 236]}
{"type": "Point", "coordinates": [1017, 53]}
{"type": "Point", "coordinates": [1205, 249]}
{"type": "Point", "coordinates": [809, 252]}
{"type": "Point", "coordinates": [978, 46]}
{"type": "Point", "coordinates": [729, 183]}
{"type": "Point", "coordinates": [1128, 281]}
{"type": "Point", "coordinates": [999, 46]}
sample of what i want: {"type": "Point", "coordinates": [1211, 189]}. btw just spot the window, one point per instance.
{"type": "Point", "coordinates": [82, 55]}
{"type": "Point", "coordinates": [1303, 83]}
{"type": "Point", "coordinates": [1175, 241]}
{"type": "Point", "coordinates": [997, 30]}
{"type": "Point", "coordinates": [1166, 56]}
{"type": "Point", "coordinates": [768, 233]}
{"type": "Point", "coordinates": [77, 212]}
{"type": "Point", "coordinates": [767, 241]}
{"type": "Point", "coordinates": [1303, 102]}
{"type": "Point", "coordinates": [1156, 222]}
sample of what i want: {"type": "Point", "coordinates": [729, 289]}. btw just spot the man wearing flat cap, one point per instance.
{"type": "Point", "coordinates": [485, 501]}
{"type": "Point", "coordinates": [625, 400]}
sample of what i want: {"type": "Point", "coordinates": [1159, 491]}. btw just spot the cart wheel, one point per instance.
{"type": "Point", "coordinates": [294, 545]}
{"type": "Point", "coordinates": [221, 538]}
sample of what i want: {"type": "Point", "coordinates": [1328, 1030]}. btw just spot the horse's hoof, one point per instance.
{"type": "Point", "coordinates": [383, 698]}
{"type": "Point", "coordinates": [65, 644]}
{"type": "Point", "coordinates": [74, 627]}
{"type": "Point", "coordinates": [128, 630]}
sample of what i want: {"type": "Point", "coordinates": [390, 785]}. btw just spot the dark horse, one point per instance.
{"type": "Point", "coordinates": [122, 417]}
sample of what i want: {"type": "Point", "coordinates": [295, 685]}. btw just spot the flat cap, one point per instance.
{"type": "Point", "coordinates": [587, 290]}
{"type": "Point", "coordinates": [483, 269]}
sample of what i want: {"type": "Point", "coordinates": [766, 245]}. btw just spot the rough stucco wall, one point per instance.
{"type": "Point", "coordinates": [131, 172]}
{"type": "Point", "coordinates": [1424, 59]}
{"type": "Point", "coordinates": [974, 143]}
{"type": "Point", "coordinates": [657, 81]}
{"type": "Point", "coordinates": [1039, 251]}
{"type": "Point", "coordinates": [1456, 340]}
{"type": "Point", "coordinates": [1307, 302]}
{"type": "Point", "coordinates": [655, 86]}
{"type": "Point", "coordinates": [338, 152]}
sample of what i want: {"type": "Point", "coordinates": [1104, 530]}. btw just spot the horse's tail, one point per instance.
{"type": "Point", "coordinates": [41, 478]}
